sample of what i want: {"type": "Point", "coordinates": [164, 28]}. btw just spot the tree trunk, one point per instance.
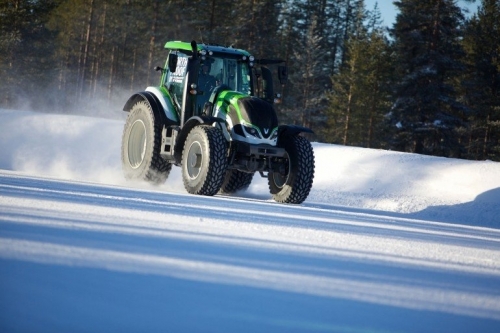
{"type": "Point", "coordinates": [212, 20]}
{"type": "Point", "coordinates": [132, 76]}
{"type": "Point", "coordinates": [86, 46]}
{"type": "Point", "coordinates": [99, 48]}
{"type": "Point", "coordinates": [346, 28]}
{"type": "Point", "coordinates": [347, 116]}
{"type": "Point", "coordinates": [152, 39]}
{"type": "Point", "coordinates": [111, 73]}
{"type": "Point", "coordinates": [484, 149]}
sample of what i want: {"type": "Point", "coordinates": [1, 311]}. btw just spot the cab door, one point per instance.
{"type": "Point", "coordinates": [174, 80]}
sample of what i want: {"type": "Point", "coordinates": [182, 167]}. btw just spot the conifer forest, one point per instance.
{"type": "Point", "coordinates": [428, 84]}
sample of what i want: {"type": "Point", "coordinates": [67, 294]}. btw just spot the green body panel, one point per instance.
{"type": "Point", "coordinates": [227, 98]}
{"type": "Point", "coordinates": [168, 101]}
{"type": "Point", "coordinates": [177, 45]}
{"type": "Point", "coordinates": [165, 99]}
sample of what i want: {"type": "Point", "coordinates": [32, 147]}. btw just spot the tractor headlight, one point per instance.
{"type": "Point", "coordinates": [252, 131]}
{"type": "Point", "coordinates": [251, 58]}
{"type": "Point", "coordinates": [274, 135]}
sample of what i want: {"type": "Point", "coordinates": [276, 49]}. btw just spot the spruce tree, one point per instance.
{"type": "Point", "coordinates": [345, 99]}
{"type": "Point", "coordinates": [360, 95]}
{"type": "Point", "coordinates": [25, 52]}
{"type": "Point", "coordinates": [426, 111]}
{"type": "Point", "coordinates": [482, 81]}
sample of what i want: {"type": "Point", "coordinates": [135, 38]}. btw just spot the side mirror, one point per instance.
{"type": "Point", "coordinates": [267, 85]}
{"type": "Point", "coordinates": [172, 62]}
{"type": "Point", "coordinates": [282, 74]}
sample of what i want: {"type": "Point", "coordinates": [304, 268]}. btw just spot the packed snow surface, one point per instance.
{"type": "Point", "coordinates": [385, 242]}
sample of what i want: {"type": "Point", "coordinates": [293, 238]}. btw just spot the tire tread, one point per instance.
{"type": "Point", "coordinates": [302, 180]}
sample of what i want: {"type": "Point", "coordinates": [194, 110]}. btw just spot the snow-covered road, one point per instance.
{"type": "Point", "coordinates": [385, 242]}
{"type": "Point", "coordinates": [83, 257]}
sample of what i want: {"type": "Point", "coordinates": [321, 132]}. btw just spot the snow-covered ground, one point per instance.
{"type": "Point", "coordinates": [386, 242]}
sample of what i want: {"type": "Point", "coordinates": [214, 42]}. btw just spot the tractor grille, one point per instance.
{"type": "Point", "coordinates": [258, 113]}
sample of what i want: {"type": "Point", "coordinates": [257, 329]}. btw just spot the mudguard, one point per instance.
{"type": "Point", "coordinates": [164, 98]}
{"type": "Point", "coordinates": [155, 104]}
{"type": "Point", "coordinates": [285, 131]}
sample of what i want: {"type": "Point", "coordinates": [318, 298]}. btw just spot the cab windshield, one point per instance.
{"type": "Point", "coordinates": [214, 71]}
{"type": "Point", "coordinates": [231, 72]}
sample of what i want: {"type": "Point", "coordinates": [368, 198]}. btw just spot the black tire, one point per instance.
{"type": "Point", "coordinates": [236, 180]}
{"type": "Point", "coordinates": [204, 160]}
{"type": "Point", "coordinates": [293, 186]}
{"type": "Point", "coordinates": [141, 144]}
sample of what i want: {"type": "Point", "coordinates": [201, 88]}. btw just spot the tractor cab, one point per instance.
{"type": "Point", "coordinates": [223, 72]}
{"type": "Point", "coordinates": [197, 72]}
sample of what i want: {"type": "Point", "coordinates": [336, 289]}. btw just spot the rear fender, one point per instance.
{"type": "Point", "coordinates": [155, 104]}
{"type": "Point", "coordinates": [166, 102]}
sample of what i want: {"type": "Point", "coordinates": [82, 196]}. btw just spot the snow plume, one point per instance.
{"type": "Point", "coordinates": [68, 147]}
{"type": "Point", "coordinates": [96, 101]}
{"type": "Point", "coordinates": [99, 104]}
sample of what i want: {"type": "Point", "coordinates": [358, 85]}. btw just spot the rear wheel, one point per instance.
{"type": "Point", "coordinates": [204, 160]}
{"type": "Point", "coordinates": [294, 183]}
{"type": "Point", "coordinates": [236, 180]}
{"type": "Point", "coordinates": [141, 143]}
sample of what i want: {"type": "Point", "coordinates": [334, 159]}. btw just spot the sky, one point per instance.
{"type": "Point", "coordinates": [389, 11]}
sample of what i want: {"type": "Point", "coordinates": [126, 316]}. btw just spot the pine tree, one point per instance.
{"type": "Point", "coordinates": [482, 81]}
{"type": "Point", "coordinates": [74, 23]}
{"type": "Point", "coordinates": [377, 82]}
{"type": "Point", "coordinates": [345, 99]}
{"type": "Point", "coordinates": [315, 43]}
{"type": "Point", "coordinates": [426, 112]}
{"type": "Point", "coordinates": [305, 96]}
{"type": "Point", "coordinates": [359, 97]}
{"type": "Point", "coordinates": [25, 51]}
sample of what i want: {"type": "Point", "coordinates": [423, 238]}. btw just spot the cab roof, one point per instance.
{"type": "Point", "coordinates": [186, 47]}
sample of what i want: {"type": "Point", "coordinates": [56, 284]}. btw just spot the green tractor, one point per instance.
{"type": "Point", "coordinates": [213, 116]}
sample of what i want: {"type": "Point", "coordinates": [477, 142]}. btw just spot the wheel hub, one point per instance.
{"type": "Point", "coordinates": [137, 144]}
{"type": "Point", "coordinates": [194, 160]}
{"type": "Point", "coordinates": [280, 178]}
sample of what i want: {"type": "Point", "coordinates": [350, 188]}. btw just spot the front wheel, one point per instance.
{"type": "Point", "coordinates": [204, 160]}
{"type": "Point", "coordinates": [294, 182]}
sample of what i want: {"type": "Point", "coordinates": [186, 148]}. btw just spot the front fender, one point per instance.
{"type": "Point", "coordinates": [285, 131]}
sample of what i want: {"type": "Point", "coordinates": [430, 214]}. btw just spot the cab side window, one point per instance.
{"type": "Point", "coordinates": [174, 81]}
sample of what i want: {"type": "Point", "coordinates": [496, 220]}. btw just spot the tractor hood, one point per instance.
{"type": "Point", "coordinates": [247, 116]}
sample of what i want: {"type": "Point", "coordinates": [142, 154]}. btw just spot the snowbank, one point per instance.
{"type": "Point", "coordinates": [381, 182]}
